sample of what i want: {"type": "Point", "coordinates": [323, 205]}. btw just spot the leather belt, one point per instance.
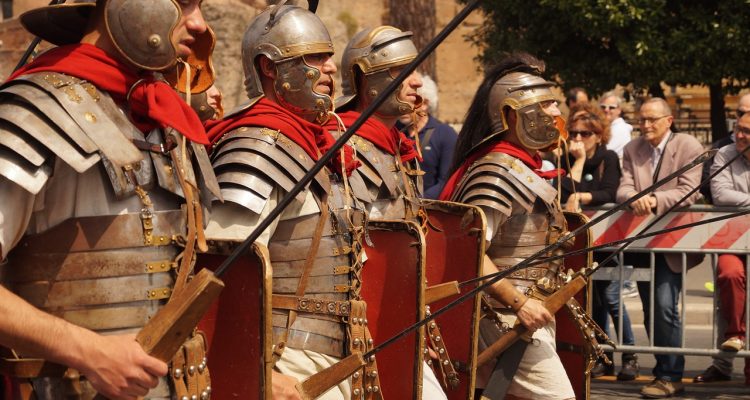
{"type": "Point", "coordinates": [312, 305]}
{"type": "Point", "coordinates": [530, 273]}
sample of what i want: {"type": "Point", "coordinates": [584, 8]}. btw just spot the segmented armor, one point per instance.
{"type": "Point", "coordinates": [107, 273]}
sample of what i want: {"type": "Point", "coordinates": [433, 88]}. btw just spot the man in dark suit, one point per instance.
{"type": "Point", "coordinates": [653, 156]}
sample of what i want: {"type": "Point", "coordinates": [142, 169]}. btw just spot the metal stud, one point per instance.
{"type": "Point", "coordinates": [191, 370]}
{"type": "Point", "coordinates": [194, 397]}
{"type": "Point", "coordinates": [184, 398]}
{"type": "Point", "coordinates": [177, 373]}
{"type": "Point", "coordinates": [356, 375]}
{"type": "Point", "coordinates": [372, 358]}
{"type": "Point", "coordinates": [357, 342]}
{"type": "Point", "coordinates": [356, 392]}
{"type": "Point", "coordinates": [370, 341]}
{"type": "Point", "coordinates": [375, 389]}
{"type": "Point", "coordinates": [369, 389]}
{"type": "Point", "coordinates": [204, 395]}
{"type": "Point", "coordinates": [437, 338]}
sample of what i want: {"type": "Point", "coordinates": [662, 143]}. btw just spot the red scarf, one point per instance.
{"type": "Point", "coordinates": [534, 162]}
{"type": "Point", "coordinates": [379, 135]}
{"type": "Point", "coordinates": [153, 104]}
{"type": "Point", "coordinates": [314, 139]}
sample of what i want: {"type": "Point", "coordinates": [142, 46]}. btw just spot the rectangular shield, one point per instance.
{"type": "Point", "coordinates": [393, 287]}
{"type": "Point", "coordinates": [238, 328]}
{"type": "Point", "coordinates": [455, 249]}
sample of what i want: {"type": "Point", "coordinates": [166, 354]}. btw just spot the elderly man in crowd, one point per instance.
{"type": "Point", "coordinates": [653, 156]}
{"type": "Point", "coordinates": [611, 105]}
{"type": "Point", "coordinates": [731, 187]}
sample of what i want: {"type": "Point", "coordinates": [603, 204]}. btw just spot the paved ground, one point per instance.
{"type": "Point", "coordinates": [609, 389]}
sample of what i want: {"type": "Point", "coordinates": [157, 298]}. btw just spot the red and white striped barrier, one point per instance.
{"type": "Point", "coordinates": [731, 234]}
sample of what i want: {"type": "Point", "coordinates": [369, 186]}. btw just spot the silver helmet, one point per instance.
{"type": "Point", "coordinates": [524, 93]}
{"type": "Point", "coordinates": [285, 34]}
{"type": "Point", "coordinates": [141, 30]}
{"type": "Point", "coordinates": [374, 52]}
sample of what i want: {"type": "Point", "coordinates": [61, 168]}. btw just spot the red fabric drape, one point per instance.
{"type": "Point", "coordinates": [152, 103]}
{"type": "Point", "coordinates": [534, 162]}
{"type": "Point", "coordinates": [377, 133]}
{"type": "Point", "coordinates": [314, 139]}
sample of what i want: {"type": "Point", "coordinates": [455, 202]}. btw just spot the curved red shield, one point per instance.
{"type": "Point", "coordinates": [455, 249]}
{"type": "Point", "coordinates": [392, 286]}
{"type": "Point", "coordinates": [569, 340]}
{"type": "Point", "coordinates": [238, 328]}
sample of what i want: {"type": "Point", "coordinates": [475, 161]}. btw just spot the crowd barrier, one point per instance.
{"type": "Point", "coordinates": [713, 239]}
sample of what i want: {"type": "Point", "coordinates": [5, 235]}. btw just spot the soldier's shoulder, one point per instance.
{"type": "Point", "coordinates": [250, 161]}
{"type": "Point", "coordinates": [50, 115]}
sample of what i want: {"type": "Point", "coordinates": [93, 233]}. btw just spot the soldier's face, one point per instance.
{"type": "Point", "coordinates": [190, 25]}
{"type": "Point", "coordinates": [409, 87]}
{"type": "Point", "coordinates": [324, 63]}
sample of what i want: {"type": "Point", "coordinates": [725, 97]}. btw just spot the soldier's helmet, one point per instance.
{"type": "Point", "coordinates": [286, 34]}
{"type": "Point", "coordinates": [141, 30]}
{"type": "Point", "coordinates": [373, 52]}
{"type": "Point", "coordinates": [524, 93]}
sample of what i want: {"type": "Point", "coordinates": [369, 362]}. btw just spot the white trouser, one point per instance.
{"type": "Point", "coordinates": [301, 364]}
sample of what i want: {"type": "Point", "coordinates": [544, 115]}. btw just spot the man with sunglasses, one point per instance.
{"type": "Point", "coordinates": [743, 107]}
{"type": "Point", "coordinates": [646, 159]}
{"type": "Point", "coordinates": [619, 130]}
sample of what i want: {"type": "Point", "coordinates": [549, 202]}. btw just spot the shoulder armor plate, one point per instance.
{"type": "Point", "coordinates": [57, 115]}
{"type": "Point", "coordinates": [250, 161]}
{"type": "Point", "coordinates": [499, 181]}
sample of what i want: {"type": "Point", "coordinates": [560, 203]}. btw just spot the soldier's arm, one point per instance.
{"type": "Point", "coordinates": [531, 312]}
{"type": "Point", "coordinates": [115, 365]}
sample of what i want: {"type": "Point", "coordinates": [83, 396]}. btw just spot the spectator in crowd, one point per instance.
{"type": "Point", "coordinates": [743, 107]}
{"type": "Point", "coordinates": [620, 135]}
{"type": "Point", "coordinates": [611, 105]}
{"type": "Point", "coordinates": [646, 159]}
{"type": "Point", "coordinates": [576, 95]}
{"type": "Point", "coordinates": [436, 139]}
{"type": "Point", "coordinates": [731, 187]}
{"type": "Point", "coordinates": [593, 174]}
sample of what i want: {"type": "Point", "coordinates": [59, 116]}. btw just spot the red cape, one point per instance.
{"type": "Point", "coordinates": [152, 103]}
{"type": "Point", "coordinates": [314, 139]}
{"type": "Point", "coordinates": [378, 134]}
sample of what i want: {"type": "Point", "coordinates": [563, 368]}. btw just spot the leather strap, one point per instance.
{"type": "Point", "coordinates": [195, 235]}
{"type": "Point", "coordinates": [306, 270]}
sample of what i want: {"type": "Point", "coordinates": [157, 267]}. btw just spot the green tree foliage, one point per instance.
{"type": "Point", "coordinates": [600, 43]}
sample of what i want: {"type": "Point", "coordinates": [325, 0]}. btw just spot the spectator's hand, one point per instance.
{"type": "Point", "coordinates": [533, 315]}
{"type": "Point", "coordinates": [577, 150]}
{"type": "Point", "coordinates": [644, 205]}
{"type": "Point", "coordinates": [284, 387]}
{"type": "Point", "coordinates": [119, 368]}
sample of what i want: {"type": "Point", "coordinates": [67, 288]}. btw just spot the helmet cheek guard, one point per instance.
{"type": "Point", "coordinates": [537, 130]}
{"type": "Point", "coordinates": [141, 30]}
{"type": "Point", "coordinates": [295, 90]}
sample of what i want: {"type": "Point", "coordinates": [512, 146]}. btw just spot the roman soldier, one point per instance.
{"type": "Point", "coordinates": [497, 167]}
{"type": "Point", "coordinates": [389, 171]}
{"type": "Point", "coordinates": [390, 182]}
{"type": "Point", "coordinates": [316, 246]}
{"type": "Point", "coordinates": [104, 181]}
